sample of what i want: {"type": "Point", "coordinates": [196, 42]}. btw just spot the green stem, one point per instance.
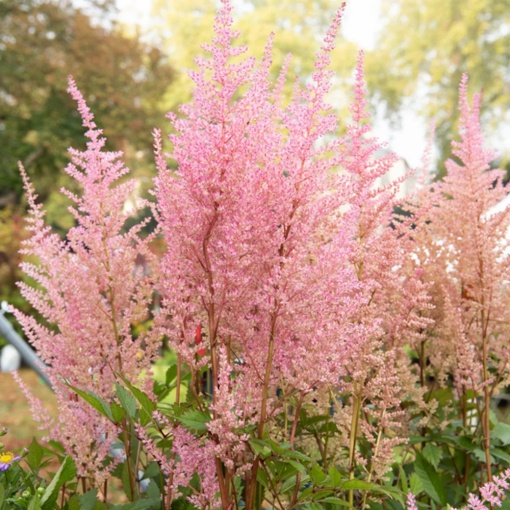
{"type": "Point", "coordinates": [352, 442]}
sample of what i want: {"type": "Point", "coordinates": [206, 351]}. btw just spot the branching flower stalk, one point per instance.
{"type": "Point", "coordinates": [90, 292]}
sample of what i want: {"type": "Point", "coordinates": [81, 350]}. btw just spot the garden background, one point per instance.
{"type": "Point", "coordinates": [131, 75]}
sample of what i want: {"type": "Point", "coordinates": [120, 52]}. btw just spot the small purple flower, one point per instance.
{"type": "Point", "coordinates": [6, 460]}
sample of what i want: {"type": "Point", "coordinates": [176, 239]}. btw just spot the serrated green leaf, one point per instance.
{"type": "Point", "coordinates": [2, 496]}
{"type": "Point", "coordinates": [293, 454]}
{"type": "Point", "coordinates": [403, 478]}
{"type": "Point", "coordinates": [141, 504]}
{"type": "Point", "coordinates": [480, 455]}
{"type": "Point", "coordinates": [74, 503]}
{"type": "Point", "coordinates": [333, 500]}
{"type": "Point", "coordinates": [95, 401]}
{"type": "Point", "coordinates": [35, 455]}
{"type": "Point", "coordinates": [195, 420]}
{"type": "Point", "coordinates": [66, 473]}
{"type": "Point", "coordinates": [415, 485]}
{"type": "Point", "coordinates": [334, 476]}
{"type": "Point", "coordinates": [430, 479]}
{"type": "Point", "coordinates": [317, 475]}
{"type": "Point", "coordinates": [296, 465]}
{"type": "Point", "coordinates": [500, 454]}
{"type": "Point", "coordinates": [171, 374]}
{"type": "Point", "coordinates": [35, 503]}
{"type": "Point", "coordinates": [433, 454]}
{"type": "Point", "coordinates": [152, 470]}
{"type": "Point", "coordinates": [127, 401]}
{"type": "Point", "coordinates": [88, 500]}
{"type": "Point", "coordinates": [118, 412]}
{"type": "Point", "coordinates": [258, 446]}
{"type": "Point", "coordinates": [358, 485]}
{"type": "Point", "coordinates": [153, 491]}
{"type": "Point", "coordinates": [147, 404]}
{"type": "Point", "coordinates": [501, 431]}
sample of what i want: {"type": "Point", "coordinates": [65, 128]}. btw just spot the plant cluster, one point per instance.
{"type": "Point", "coordinates": [326, 351]}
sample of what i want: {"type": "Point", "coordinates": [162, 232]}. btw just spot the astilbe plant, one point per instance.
{"type": "Point", "coordinates": [258, 251]}
{"type": "Point", "coordinates": [90, 289]}
{"type": "Point", "coordinates": [290, 291]}
{"type": "Point", "coordinates": [462, 250]}
{"type": "Point", "coordinates": [378, 379]}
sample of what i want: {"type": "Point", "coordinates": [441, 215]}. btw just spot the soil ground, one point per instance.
{"type": "Point", "coordinates": [15, 411]}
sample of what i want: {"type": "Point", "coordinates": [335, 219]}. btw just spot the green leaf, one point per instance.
{"type": "Point", "coordinates": [430, 479]}
{"type": "Point", "coordinates": [260, 447]}
{"type": "Point", "coordinates": [2, 495]}
{"type": "Point", "coordinates": [358, 485]}
{"type": "Point", "coordinates": [500, 454]}
{"type": "Point", "coordinates": [433, 454]}
{"type": "Point", "coordinates": [288, 484]}
{"type": "Point", "coordinates": [501, 431]}
{"type": "Point", "coordinates": [95, 401]}
{"type": "Point", "coordinates": [415, 484]}
{"type": "Point", "coordinates": [153, 491]}
{"type": "Point", "coordinates": [262, 478]}
{"type": "Point", "coordinates": [141, 504]}
{"type": "Point", "coordinates": [152, 470]}
{"type": "Point", "coordinates": [74, 503]}
{"type": "Point", "coordinates": [127, 401]}
{"type": "Point", "coordinates": [480, 455]}
{"type": "Point", "coordinates": [313, 506]}
{"type": "Point", "coordinates": [66, 473]}
{"type": "Point", "coordinates": [35, 455]}
{"type": "Point", "coordinates": [403, 478]}
{"type": "Point", "coordinates": [147, 404]}
{"type": "Point", "coordinates": [171, 374]}
{"type": "Point", "coordinates": [317, 474]}
{"type": "Point", "coordinates": [335, 501]}
{"type": "Point", "coordinates": [334, 476]}
{"type": "Point", "coordinates": [126, 480]}
{"type": "Point", "coordinates": [88, 500]}
{"type": "Point", "coordinates": [35, 503]}
{"type": "Point", "coordinates": [293, 454]}
{"type": "Point", "coordinates": [118, 412]}
{"type": "Point", "coordinates": [195, 420]}
{"type": "Point", "coordinates": [296, 465]}
{"type": "Point", "coordinates": [319, 495]}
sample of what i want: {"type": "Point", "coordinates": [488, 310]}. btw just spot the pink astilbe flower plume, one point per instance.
{"type": "Point", "coordinates": [392, 295]}
{"type": "Point", "coordinates": [258, 250]}
{"type": "Point", "coordinates": [90, 290]}
{"type": "Point", "coordinates": [461, 244]}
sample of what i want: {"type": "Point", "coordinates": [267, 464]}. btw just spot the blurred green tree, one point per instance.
{"type": "Point", "coordinates": [422, 50]}
{"type": "Point", "coordinates": [41, 43]}
{"type": "Point", "coordinates": [299, 28]}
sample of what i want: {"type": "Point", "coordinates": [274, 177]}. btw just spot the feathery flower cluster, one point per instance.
{"type": "Point", "coordinates": [461, 245]}
{"type": "Point", "coordinates": [90, 292]}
